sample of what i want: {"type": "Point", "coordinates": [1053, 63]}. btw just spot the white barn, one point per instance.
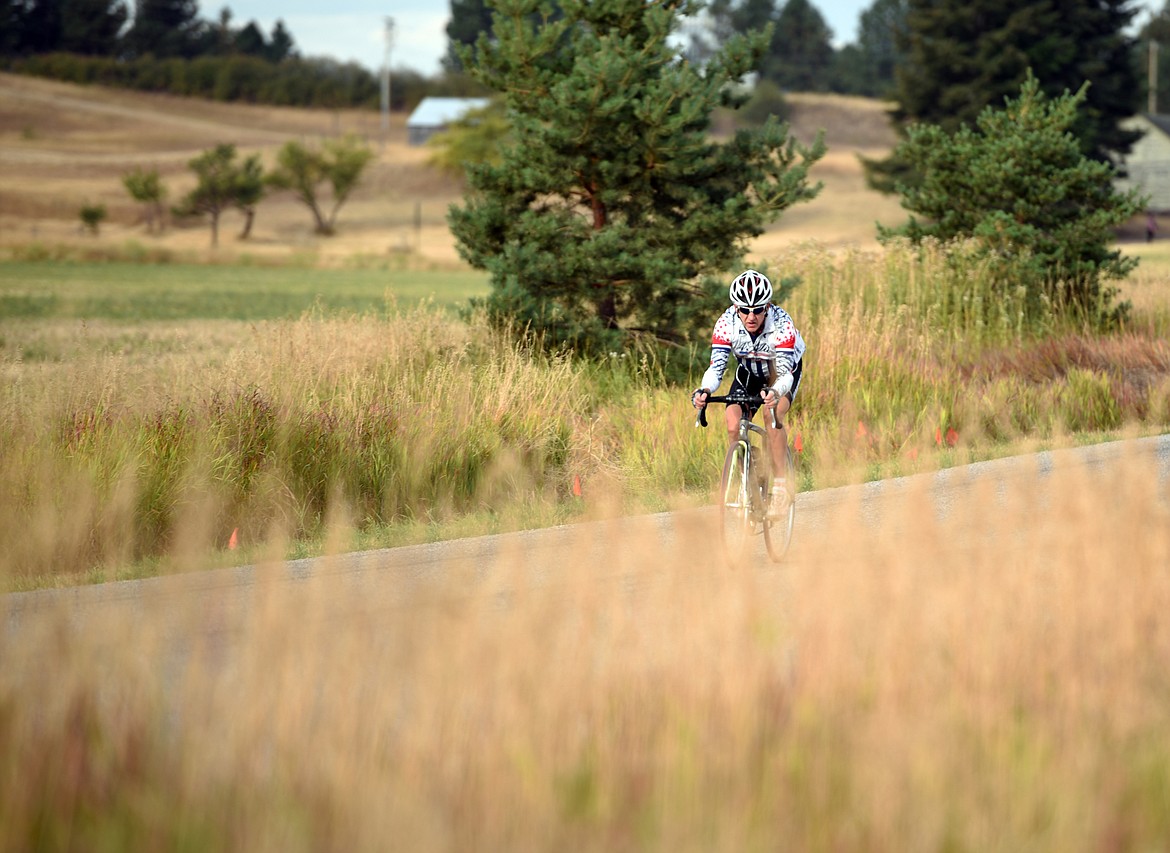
{"type": "Point", "coordinates": [1147, 166]}
{"type": "Point", "coordinates": [435, 114]}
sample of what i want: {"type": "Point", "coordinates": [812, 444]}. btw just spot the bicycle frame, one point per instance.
{"type": "Point", "coordinates": [746, 492]}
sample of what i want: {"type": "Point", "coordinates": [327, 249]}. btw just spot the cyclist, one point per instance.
{"type": "Point", "coordinates": [768, 351]}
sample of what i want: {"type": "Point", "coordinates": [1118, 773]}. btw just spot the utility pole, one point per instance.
{"type": "Point", "coordinates": [386, 79]}
{"type": "Point", "coordinates": [1152, 105]}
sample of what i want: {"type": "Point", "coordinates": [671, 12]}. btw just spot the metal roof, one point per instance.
{"type": "Point", "coordinates": [436, 112]}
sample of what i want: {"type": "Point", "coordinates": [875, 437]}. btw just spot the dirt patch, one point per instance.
{"type": "Point", "coordinates": [850, 123]}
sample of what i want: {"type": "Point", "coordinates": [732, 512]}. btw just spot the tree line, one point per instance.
{"type": "Point", "coordinates": [165, 46]}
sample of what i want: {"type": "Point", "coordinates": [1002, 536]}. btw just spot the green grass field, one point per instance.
{"type": "Point", "coordinates": [176, 292]}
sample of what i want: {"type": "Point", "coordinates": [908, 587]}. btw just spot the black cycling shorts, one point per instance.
{"type": "Point", "coordinates": [755, 384]}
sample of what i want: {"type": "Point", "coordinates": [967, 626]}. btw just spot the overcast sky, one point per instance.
{"type": "Point", "coordinates": [354, 30]}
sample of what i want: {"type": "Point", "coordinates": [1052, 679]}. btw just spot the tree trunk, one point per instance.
{"type": "Point", "coordinates": [214, 228]}
{"type": "Point", "coordinates": [249, 217]}
{"type": "Point", "coordinates": [607, 307]}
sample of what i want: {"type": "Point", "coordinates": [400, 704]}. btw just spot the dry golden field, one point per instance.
{"type": "Point", "coordinates": [945, 665]}
{"type": "Point", "coordinates": [62, 146]}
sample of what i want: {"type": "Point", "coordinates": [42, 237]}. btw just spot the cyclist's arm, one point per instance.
{"type": "Point", "coordinates": [788, 347]}
{"type": "Point", "coordinates": [720, 355]}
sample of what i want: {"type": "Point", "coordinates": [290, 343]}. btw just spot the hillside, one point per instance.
{"type": "Point", "coordinates": [62, 146]}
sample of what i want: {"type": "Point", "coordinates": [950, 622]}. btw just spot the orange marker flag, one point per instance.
{"type": "Point", "coordinates": [797, 444]}
{"type": "Point", "coordinates": [576, 486]}
{"type": "Point", "coordinates": [234, 539]}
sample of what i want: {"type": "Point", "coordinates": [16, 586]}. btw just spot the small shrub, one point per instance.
{"type": "Point", "coordinates": [1087, 402]}
{"type": "Point", "coordinates": [92, 216]}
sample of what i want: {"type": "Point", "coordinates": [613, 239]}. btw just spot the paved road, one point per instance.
{"type": "Point", "coordinates": [624, 551]}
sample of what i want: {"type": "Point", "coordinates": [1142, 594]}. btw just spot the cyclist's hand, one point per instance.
{"type": "Point", "coordinates": [773, 394]}
{"type": "Point", "coordinates": [699, 398]}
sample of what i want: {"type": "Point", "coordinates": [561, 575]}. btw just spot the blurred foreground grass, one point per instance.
{"type": "Point", "coordinates": [985, 673]}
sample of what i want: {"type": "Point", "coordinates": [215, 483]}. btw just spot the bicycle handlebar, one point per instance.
{"type": "Point", "coordinates": [738, 399]}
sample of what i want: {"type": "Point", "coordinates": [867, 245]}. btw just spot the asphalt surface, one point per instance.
{"type": "Point", "coordinates": [219, 603]}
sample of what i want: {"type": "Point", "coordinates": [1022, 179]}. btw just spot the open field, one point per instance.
{"type": "Point", "coordinates": [62, 146]}
{"type": "Point", "coordinates": [943, 663]}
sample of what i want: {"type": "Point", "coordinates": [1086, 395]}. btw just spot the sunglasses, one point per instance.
{"type": "Point", "coordinates": [743, 312]}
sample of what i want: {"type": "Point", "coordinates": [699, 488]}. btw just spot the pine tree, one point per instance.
{"type": "Point", "coordinates": [800, 57]}
{"type": "Point", "coordinates": [168, 28]}
{"type": "Point", "coordinates": [868, 67]}
{"type": "Point", "coordinates": [91, 27]}
{"type": "Point", "coordinates": [612, 202]}
{"type": "Point", "coordinates": [960, 56]}
{"type": "Point", "coordinates": [1017, 183]}
{"type": "Point", "coordinates": [281, 45]}
{"type": "Point", "coordinates": [469, 19]}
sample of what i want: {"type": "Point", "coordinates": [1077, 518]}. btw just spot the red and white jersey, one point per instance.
{"type": "Point", "coordinates": [777, 342]}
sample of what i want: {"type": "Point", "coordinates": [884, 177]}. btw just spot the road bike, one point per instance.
{"type": "Point", "coordinates": [746, 505]}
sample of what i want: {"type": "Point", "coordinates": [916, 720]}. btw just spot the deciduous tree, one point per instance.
{"type": "Point", "coordinates": [222, 184]}
{"type": "Point", "coordinates": [306, 171]}
{"type": "Point", "coordinates": [145, 186]}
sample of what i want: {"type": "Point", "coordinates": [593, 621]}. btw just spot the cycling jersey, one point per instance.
{"type": "Point", "coordinates": [777, 339]}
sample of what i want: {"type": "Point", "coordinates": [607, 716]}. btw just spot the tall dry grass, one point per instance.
{"type": "Point", "coordinates": [989, 673]}
{"type": "Point", "coordinates": [410, 417]}
{"type": "Point", "coordinates": [128, 445]}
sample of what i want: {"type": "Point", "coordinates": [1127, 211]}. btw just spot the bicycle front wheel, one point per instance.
{"type": "Point", "coordinates": [735, 506]}
{"type": "Point", "coordinates": [782, 518]}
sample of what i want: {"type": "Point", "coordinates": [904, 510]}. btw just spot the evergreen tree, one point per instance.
{"type": "Point", "coordinates": [744, 16]}
{"type": "Point", "coordinates": [469, 19]}
{"type": "Point", "coordinates": [32, 26]}
{"type": "Point", "coordinates": [724, 19]}
{"type": "Point", "coordinates": [280, 46]}
{"type": "Point", "coordinates": [250, 40]}
{"type": "Point", "coordinates": [612, 202]}
{"type": "Point", "coordinates": [11, 27]}
{"type": "Point", "coordinates": [168, 28]}
{"type": "Point", "coordinates": [91, 27]}
{"type": "Point", "coordinates": [800, 57]}
{"type": "Point", "coordinates": [961, 56]}
{"type": "Point", "coordinates": [868, 67]}
{"type": "Point", "coordinates": [1019, 185]}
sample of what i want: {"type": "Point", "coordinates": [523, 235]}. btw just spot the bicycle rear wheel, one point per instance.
{"type": "Point", "coordinates": [736, 525]}
{"type": "Point", "coordinates": [781, 520]}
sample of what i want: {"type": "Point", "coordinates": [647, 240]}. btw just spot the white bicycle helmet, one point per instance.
{"type": "Point", "coordinates": [751, 289]}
